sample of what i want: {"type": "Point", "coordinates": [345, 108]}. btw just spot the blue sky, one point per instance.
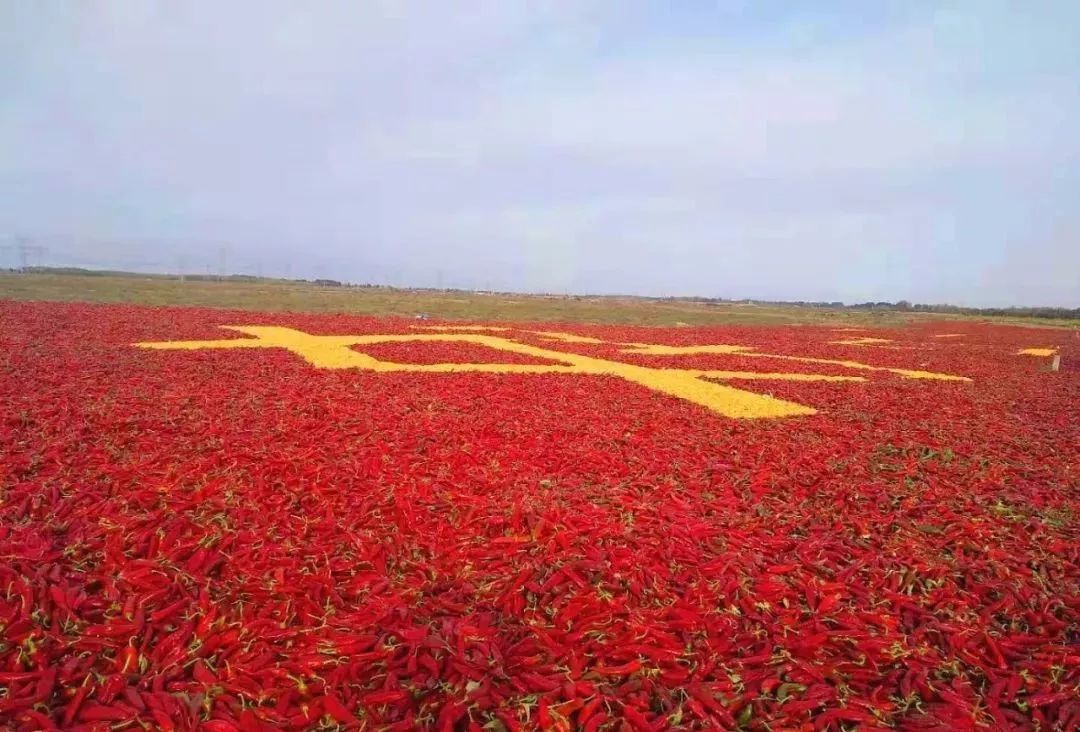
{"type": "Point", "coordinates": [826, 151]}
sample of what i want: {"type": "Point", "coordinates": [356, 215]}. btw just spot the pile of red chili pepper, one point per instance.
{"type": "Point", "coordinates": [236, 540]}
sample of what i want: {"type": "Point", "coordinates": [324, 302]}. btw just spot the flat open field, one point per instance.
{"type": "Point", "coordinates": [237, 520]}
{"type": "Point", "coordinates": [277, 295]}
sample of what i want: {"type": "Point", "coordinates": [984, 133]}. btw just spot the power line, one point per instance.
{"type": "Point", "coordinates": [25, 249]}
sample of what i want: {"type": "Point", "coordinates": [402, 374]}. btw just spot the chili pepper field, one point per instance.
{"type": "Point", "coordinates": [227, 520]}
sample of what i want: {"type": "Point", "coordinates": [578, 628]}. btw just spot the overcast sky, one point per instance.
{"type": "Point", "coordinates": [823, 151]}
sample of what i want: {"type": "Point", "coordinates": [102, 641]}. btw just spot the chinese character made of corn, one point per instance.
{"type": "Point", "coordinates": [698, 386]}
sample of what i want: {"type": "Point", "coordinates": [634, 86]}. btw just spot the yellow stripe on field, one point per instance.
{"type": "Point", "coordinates": [860, 341]}
{"type": "Point", "coordinates": [552, 335]}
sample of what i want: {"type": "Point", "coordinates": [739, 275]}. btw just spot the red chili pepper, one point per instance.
{"type": "Point", "coordinates": [99, 713]}
{"type": "Point", "coordinates": [337, 710]}
{"type": "Point", "coordinates": [168, 611]}
{"type": "Point", "coordinates": [388, 696]}
{"type": "Point", "coordinates": [219, 725]}
{"type": "Point", "coordinates": [623, 670]}
{"type": "Point", "coordinates": [75, 704]}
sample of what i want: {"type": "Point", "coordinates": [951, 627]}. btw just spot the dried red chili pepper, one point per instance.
{"type": "Point", "coordinates": [236, 538]}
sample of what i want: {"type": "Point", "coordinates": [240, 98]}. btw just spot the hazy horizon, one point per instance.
{"type": "Point", "coordinates": [846, 152]}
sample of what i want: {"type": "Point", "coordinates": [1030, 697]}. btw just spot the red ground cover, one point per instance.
{"type": "Point", "coordinates": [237, 540]}
{"type": "Point", "coordinates": [423, 353]}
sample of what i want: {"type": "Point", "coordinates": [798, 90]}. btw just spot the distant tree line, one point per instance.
{"type": "Point", "coordinates": [83, 272]}
{"type": "Point", "coordinates": [900, 306]}
{"type": "Point", "coordinates": [1016, 312]}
